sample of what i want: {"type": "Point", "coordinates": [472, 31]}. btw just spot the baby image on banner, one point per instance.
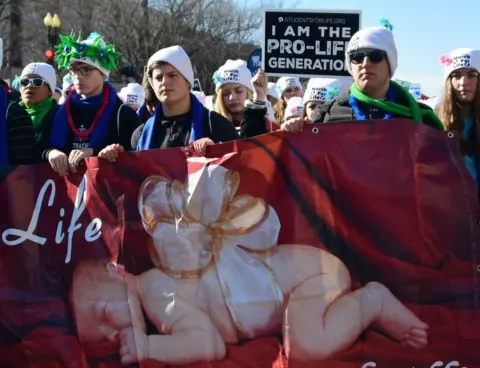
{"type": "Point", "coordinates": [307, 43]}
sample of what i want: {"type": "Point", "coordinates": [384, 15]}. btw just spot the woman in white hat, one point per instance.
{"type": "Point", "coordinates": [459, 108]}
{"type": "Point", "coordinates": [287, 87]}
{"type": "Point", "coordinates": [318, 92]}
{"type": "Point", "coordinates": [242, 99]}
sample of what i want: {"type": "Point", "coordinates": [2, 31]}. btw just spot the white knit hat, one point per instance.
{"type": "Point", "coordinates": [294, 108]}
{"type": "Point", "coordinates": [321, 90]}
{"type": "Point", "coordinates": [233, 71]}
{"type": "Point", "coordinates": [45, 71]}
{"type": "Point", "coordinates": [460, 58]}
{"type": "Point", "coordinates": [176, 57]}
{"type": "Point", "coordinates": [133, 94]}
{"type": "Point", "coordinates": [86, 60]}
{"type": "Point", "coordinates": [378, 38]}
{"type": "Point", "coordinates": [67, 82]}
{"type": "Point", "coordinates": [273, 90]}
{"type": "Point", "coordinates": [284, 82]}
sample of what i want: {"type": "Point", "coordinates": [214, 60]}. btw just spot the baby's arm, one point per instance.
{"type": "Point", "coordinates": [189, 334]}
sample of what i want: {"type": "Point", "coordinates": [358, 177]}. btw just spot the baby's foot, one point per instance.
{"type": "Point", "coordinates": [398, 321]}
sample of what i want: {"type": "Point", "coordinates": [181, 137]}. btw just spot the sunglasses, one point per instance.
{"type": "Point", "coordinates": [375, 56]}
{"type": "Point", "coordinates": [36, 82]}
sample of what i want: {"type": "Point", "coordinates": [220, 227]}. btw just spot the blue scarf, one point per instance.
{"type": "Point", "coordinates": [3, 127]}
{"type": "Point", "coordinates": [196, 132]}
{"type": "Point", "coordinates": [353, 101]}
{"type": "Point", "coordinates": [61, 128]}
{"type": "Point", "coordinates": [143, 113]}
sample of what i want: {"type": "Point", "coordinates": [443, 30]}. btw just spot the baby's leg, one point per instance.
{"type": "Point", "coordinates": [193, 337]}
{"type": "Point", "coordinates": [394, 318]}
{"type": "Point", "coordinates": [323, 318]}
{"type": "Point", "coordinates": [119, 313]}
{"type": "Point", "coordinates": [188, 334]}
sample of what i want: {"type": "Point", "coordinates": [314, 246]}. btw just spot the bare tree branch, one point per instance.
{"type": "Point", "coordinates": [211, 31]}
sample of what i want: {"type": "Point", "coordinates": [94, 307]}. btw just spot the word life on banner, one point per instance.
{"type": "Point", "coordinates": [46, 198]}
{"type": "Point", "coordinates": [308, 44]}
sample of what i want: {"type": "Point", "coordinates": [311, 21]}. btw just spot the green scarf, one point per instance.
{"type": "Point", "coordinates": [413, 111]}
{"type": "Point", "coordinates": [37, 114]}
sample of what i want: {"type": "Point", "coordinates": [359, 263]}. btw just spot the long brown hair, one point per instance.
{"type": "Point", "coordinates": [450, 113]}
{"type": "Point", "coordinates": [150, 96]}
{"type": "Point", "coordinates": [279, 110]}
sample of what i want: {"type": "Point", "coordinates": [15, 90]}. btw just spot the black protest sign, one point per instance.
{"type": "Point", "coordinates": [307, 43]}
{"type": "Point", "coordinates": [197, 87]}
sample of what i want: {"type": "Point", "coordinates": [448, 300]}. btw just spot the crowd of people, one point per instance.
{"type": "Point", "coordinates": [87, 117]}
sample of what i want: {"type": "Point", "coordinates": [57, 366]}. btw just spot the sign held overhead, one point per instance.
{"type": "Point", "coordinates": [307, 43]}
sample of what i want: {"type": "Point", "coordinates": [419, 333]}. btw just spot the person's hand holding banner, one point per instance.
{"type": "Point", "coordinates": [294, 125]}
{"type": "Point", "coordinates": [58, 161]}
{"type": "Point", "coordinates": [110, 153]}
{"type": "Point", "coordinates": [77, 156]}
{"type": "Point", "coordinates": [200, 145]}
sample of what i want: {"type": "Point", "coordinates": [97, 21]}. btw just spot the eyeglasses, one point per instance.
{"type": "Point", "coordinates": [84, 72]}
{"type": "Point", "coordinates": [375, 56]}
{"type": "Point", "coordinates": [36, 82]}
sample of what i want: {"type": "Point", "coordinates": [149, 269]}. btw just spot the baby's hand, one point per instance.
{"type": "Point", "coordinates": [133, 346]}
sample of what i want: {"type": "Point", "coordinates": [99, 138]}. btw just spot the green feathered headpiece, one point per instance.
{"type": "Point", "coordinates": [91, 51]}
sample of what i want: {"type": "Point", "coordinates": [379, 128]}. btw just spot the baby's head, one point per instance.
{"type": "Point", "coordinates": [204, 196]}
{"type": "Point", "coordinates": [100, 301]}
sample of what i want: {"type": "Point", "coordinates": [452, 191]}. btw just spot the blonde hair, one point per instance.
{"type": "Point", "coordinates": [220, 106]}
{"type": "Point", "coordinates": [449, 112]}
{"type": "Point", "coordinates": [279, 110]}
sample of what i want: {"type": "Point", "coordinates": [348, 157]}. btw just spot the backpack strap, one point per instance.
{"type": "Point", "coordinates": [210, 122]}
{"type": "Point", "coordinates": [118, 119]}
{"type": "Point", "coordinates": [7, 110]}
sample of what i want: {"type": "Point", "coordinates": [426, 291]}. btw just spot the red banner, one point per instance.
{"type": "Point", "coordinates": [352, 245]}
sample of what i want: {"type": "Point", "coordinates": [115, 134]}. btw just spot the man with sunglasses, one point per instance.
{"type": "Point", "coordinates": [17, 138]}
{"type": "Point", "coordinates": [371, 59]}
{"type": "Point", "coordinates": [37, 85]}
{"type": "Point", "coordinates": [93, 120]}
